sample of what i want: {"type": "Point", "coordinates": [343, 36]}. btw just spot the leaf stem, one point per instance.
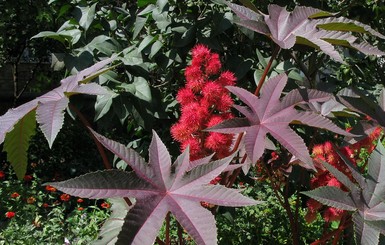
{"type": "Point", "coordinates": [267, 69]}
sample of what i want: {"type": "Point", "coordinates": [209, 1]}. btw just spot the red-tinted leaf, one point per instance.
{"type": "Point", "coordinates": [307, 26]}
{"type": "Point", "coordinates": [159, 189]}
{"type": "Point", "coordinates": [366, 197]}
{"type": "Point", "coordinates": [271, 114]}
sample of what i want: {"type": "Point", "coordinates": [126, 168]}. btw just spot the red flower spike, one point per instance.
{"type": "Point", "coordinates": [318, 150]}
{"type": "Point", "coordinates": [193, 73]}
{"type": "Point", "coordinates": [224, 103]}
{"type": "Point", "coordinates": [328, 147]}
{"type": "Point", "coordinates": [227, 78]}
{"type": "Point", "coordinates": [185, 96]}
{"type": "Point", "coordinates": [180, 132]}
{"type": "Point", "coordinates": [45, 205]}
{"type": "Point", "coordinates": [217, 141]}
{"type": "Point", "coordinates": [334, 182]}
{"type": "Point", "coordinates": [213, 65]}
{"type": "Point", "coordinates": [193, 115]}
{"type": "Point", "coordinates": [333, 159]}
{"type": "Point", "coordinates": [332, 214]}
{"type": "Point", "coordinates": [79, 200]}
{"type": "Point", "coordinates": [195, 146]}
{"type": "Point", "coordinates": [313, 205]}
{"type": "Point", "coordinates": [214, 120]}
{"type": "Point", "coordinates": [212, 92]}
{"type": "Point", "coordinates": [204, 103]}
{"type": "Point", "coordinates": [200, 51]}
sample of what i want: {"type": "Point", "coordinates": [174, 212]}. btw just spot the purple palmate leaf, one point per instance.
{"type": "Point", "coordinates": [270, 114]}
{"type": "Point", "coordinates": [159, 187]}
{"type": "Point", "coordinates": [307, 26]}
{"type": "Point", "coordinates": [365, 197]}
{"type": "Point", "coordinates": [50, 106]}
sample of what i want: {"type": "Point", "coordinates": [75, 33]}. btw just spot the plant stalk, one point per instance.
{"type": "Point", "coordinates": [102, 152]}
{"type": "Point", "coordinates": [266, 71]}
{"type": "Point", "coordinates": [167, 229]}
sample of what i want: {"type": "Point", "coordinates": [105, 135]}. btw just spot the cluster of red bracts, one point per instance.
{"type": "Point", "coordinates": [204, 102]}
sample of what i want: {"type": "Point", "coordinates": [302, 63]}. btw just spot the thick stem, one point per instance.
{"type": "Point", "coordinates": [102, 153]}
{"type": "Point", "coordinates": [167, 229]}
{"type": "Point", "coordinates": [160, 242]}
{"type": "Point", "coordinates": [99, 146]}
{"type": "Point", "coordinates": [266, 71]}
{"type": "Point", "coordinates": [180, 234]}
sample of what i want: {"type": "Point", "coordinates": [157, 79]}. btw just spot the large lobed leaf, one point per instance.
{"type": "Point", "coordinates": [49, 109]}
{"type": "Point", "coordinates": [307, 26]}
{"type": "Point", "coordinates": [17, 142]}
{"type": "Point", "coordinates": [159, 187]}
{"type": "Point", "coordinates": [365, 198]}
{"type": "Point", "coordinates": [271, 114]}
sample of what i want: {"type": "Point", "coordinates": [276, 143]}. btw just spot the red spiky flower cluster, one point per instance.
{"type": "Point", "coordinates": [326, 152]}
{"type": "Point", "coordinates": [204, 102]}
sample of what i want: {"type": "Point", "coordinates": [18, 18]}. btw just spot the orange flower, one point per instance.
{"type": "Point", "coordinates": [31, 200]}
{"type": "Point", "coordinates": [10, 214]}
{"type": "Point", "coordinates": [15, 195]}
{"type": "Point", "coordinates": [80, 200]}
{"type": "Point", "coordinates": [80, 208]}
{"type": "Point", "coordinates": [65, 197]}
{"type": "Point", "coordinates": [105, 205]}
{"type": "Point", "coordinates": [50, 188]}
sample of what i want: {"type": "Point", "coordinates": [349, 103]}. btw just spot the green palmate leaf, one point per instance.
{"type": "Point", "coordinates": [16, 143]}
{"type": "Point", "coordinates": [159, 187]}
